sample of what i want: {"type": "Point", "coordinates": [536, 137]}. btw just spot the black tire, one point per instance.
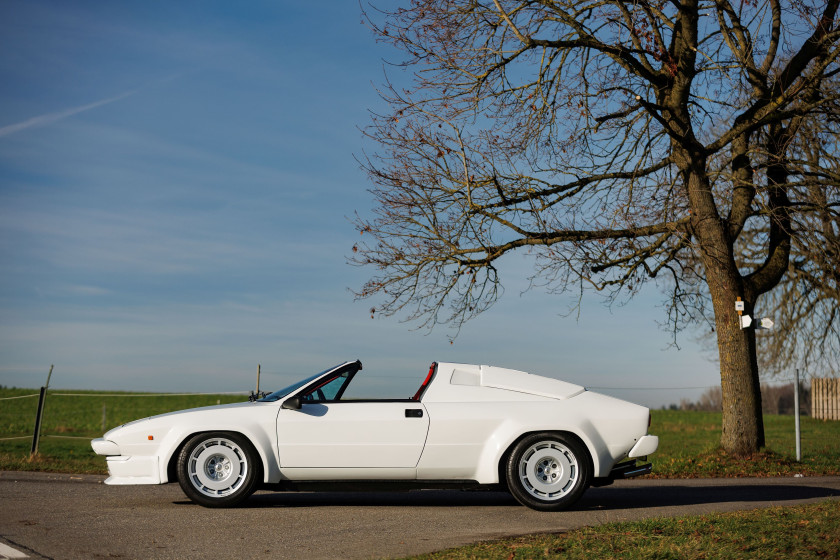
{"type": "Point", "coordinates": [548, 471]}
{"type": "Point", "coordinates": [218, 469]}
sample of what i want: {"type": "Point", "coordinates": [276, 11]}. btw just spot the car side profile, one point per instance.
{"type": "Point", "coordinates": [543, 439]}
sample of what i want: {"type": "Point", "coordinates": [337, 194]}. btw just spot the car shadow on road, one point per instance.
{"type": "Point", "coordinates": [595, 499]}
{"type": "Point", "coordinates": [415, 498]}
{"type": "Point", "coordinates": [685, 495]}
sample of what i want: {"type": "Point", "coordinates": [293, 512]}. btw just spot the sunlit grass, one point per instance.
{"type": "Point", "coordinates": [70, 422]}
{"type": "Point", "coordinates": [689, 447]}
{"type": "Point", "coordinates": [809, 531]}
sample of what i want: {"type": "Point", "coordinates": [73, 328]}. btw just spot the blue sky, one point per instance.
{"type": "Point", "coordinates": [175, 185]}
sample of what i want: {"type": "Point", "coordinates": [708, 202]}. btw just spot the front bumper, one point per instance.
{"type": "Point", "coordinates": [138, 469]}
{"type": "Point", "coordinates": [133, 470]}
{"type": "Point", "coordinates": [103, 446]}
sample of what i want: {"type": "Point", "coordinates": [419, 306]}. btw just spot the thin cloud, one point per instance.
{"type": "Point", "coordinates": [50, 118]}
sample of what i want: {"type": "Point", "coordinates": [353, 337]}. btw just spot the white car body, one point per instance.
{"type": "Point", "coordinates": [461, 426]}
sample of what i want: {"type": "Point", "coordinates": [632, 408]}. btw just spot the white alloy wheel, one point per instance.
{"type": "Point", "coordinates": [217, 467]}
{"type": "Point", "coordinates": [548, 470]}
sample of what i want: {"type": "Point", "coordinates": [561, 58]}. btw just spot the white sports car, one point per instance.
{"type": "Point", "coordinates": [468, 425]}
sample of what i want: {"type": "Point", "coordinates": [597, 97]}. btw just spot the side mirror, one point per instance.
{"type": "Point", "coordinates": [292, 404]}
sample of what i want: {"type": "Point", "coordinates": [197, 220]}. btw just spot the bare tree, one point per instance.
{"type": "Point", "coordinates": [807, 300]}
{"type": "Point", "coordinates": [710, 401]}
{"type": "Point", "coordinates": [806, 303]}
{"type": "Point", "coordinates": [618, 141]}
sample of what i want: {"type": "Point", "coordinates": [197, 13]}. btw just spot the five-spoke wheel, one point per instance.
{"type": "Point", "coordinates": [218, 469]}
{"type": "Point", "coordinates": [548, 471]}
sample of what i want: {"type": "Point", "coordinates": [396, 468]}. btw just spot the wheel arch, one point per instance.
{"type": "Point", "coordinates": [501, 465]}
{"type": "Point", "coordinates": [172, 461]}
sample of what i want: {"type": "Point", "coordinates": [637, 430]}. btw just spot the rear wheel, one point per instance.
{"type": "Point", "coordinates": [548, 471]}
{"type": "Point", "coordinates": [218, 469]}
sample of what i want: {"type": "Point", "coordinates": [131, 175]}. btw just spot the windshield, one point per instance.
{"type": "Point", "coordinates": [277, 395]}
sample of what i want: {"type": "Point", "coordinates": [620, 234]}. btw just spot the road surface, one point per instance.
{"type": "Point", "coordinates": [76, 516]}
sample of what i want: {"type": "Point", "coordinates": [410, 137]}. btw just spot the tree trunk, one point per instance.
{"type": "Point", "coordinates": [743, 425]}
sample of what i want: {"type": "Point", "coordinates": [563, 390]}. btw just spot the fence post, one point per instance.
{"type": "Point", "coordinates": [41, 399]}
{"type": "Point", "coordinates": [34, 450]}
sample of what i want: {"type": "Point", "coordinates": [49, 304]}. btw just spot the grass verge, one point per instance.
{"type": "Point", "coordinates": [809, 531]}
{"type": "Point", "coordinates": [689, 447]}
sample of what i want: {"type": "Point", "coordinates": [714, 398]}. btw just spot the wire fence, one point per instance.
{"type": "Point", "coordinates": [82, 415]}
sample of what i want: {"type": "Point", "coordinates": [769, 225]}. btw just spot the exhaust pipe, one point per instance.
{"type": "Point", "coordinates": [629, 470]}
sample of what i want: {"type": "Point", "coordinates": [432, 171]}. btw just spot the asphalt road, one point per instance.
{"type": "Point", "coordinates": [67, 516]}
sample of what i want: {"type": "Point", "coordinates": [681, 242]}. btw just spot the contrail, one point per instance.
{"type": "Point", "coordinates": [50, 118]}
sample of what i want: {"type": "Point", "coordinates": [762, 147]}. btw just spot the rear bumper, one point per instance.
{"type": "Point", "coordinates": [644, 447]}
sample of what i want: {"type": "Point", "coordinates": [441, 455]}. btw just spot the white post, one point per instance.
{"type": "Point", "coordinates": [796, 414]}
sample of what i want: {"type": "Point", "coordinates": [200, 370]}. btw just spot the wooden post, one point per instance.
{"type": "Point", "coordinates": [258, 379]}
{"type": "Point", "coordinates": [34, 450]}
{"type": "Point", "coordinates": [39, 415]}
{"type": "Point", "coordinates": [816, 398]}
{"type": "Point", "coordinates": [822, 400]}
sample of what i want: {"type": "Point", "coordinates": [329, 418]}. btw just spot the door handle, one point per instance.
{"type": "Point", "coordinates": [414, 413]}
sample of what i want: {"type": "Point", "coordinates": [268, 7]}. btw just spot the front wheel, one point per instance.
{"type": "Point", "coordinates": [548, 472]}
{"type": "Point", "coordinates": [218, 469]}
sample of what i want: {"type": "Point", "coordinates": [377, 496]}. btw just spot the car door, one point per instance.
{"type": "Point", "coordinates": [352, 434]}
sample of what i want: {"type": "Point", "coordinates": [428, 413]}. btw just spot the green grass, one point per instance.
{"type": "Point", "coordinates": [70, 422]}
{"type": "Point", "coordinates": [689, 447]}
{"type": "Point", "coordinates": [688, 440]}
{"type": "Point", "coordinates": [809, 531]}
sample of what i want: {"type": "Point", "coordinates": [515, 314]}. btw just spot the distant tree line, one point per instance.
{"type": "Point", "coordinates": [775, 399]}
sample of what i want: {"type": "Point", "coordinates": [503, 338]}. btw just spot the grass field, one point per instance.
{"type": "Point", "coordinates": [810, 531]}
{"type": "Point", "coordinates": [689, 447]}
{"type": "Point", "coordinates": [70, 422]}
{"type": "Point", "coordinates": [688, 440]}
